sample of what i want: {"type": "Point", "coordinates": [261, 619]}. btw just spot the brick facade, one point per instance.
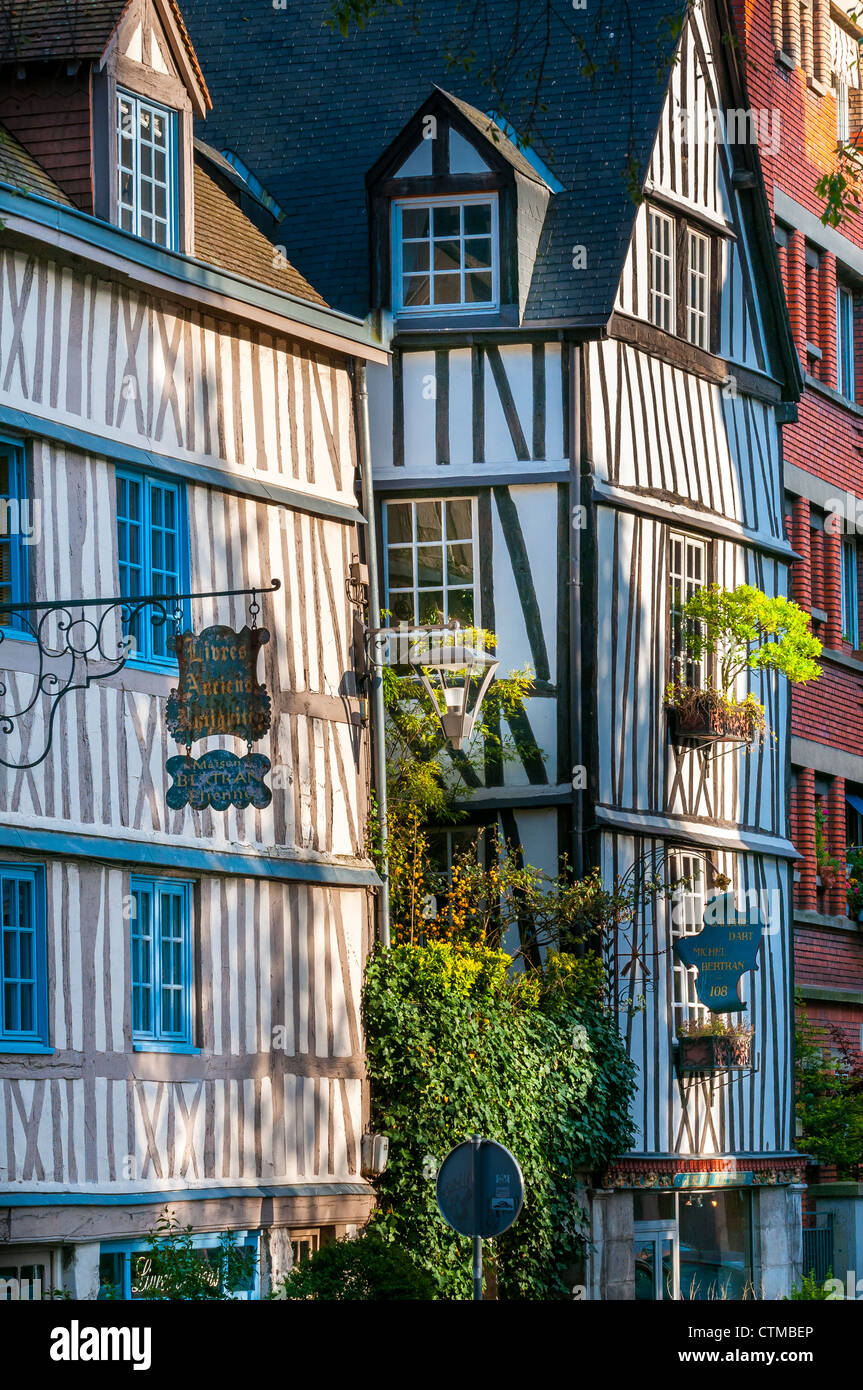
{"type": "Point", "coordinates": [790, 50]}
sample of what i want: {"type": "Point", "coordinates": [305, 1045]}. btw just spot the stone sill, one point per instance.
{"type": "Point", "coordinates": [785, 60]}
{"type": "Point", "coordinates": [803, 917]}
{"type": "Point", "coordinates": [824, 994]}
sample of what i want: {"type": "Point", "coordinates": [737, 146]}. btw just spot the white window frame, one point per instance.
{"type": "Point", "coordinates": [850, 607]}
{"type": "Point", "coordinates": [686, 918]}
{"type": "Point", "coordinates": [698, 288]}
{"type": "Point", "coordinates": [463, 307]}
{"type": "Point", "coordinates": [416, 546]}
{"type": "Point", "coordinates": [843, 109]}
{"type": "Point", "coordinates": [681, 581]}
{"type": "Point", "coordinates": [135, 209]}
{"type": "Point", "coordinates": [661, 258]}
{"type": "Point", "coordinates": [845, 341]}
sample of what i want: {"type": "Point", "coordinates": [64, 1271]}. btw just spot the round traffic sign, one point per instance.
{"type": "Point", "coordinates": [480, 1188]}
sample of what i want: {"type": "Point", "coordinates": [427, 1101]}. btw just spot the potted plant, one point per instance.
{"type": "Point", "coordinates": [718, 1043]}
{"type": "Point", "coordinates": [854, 883]}
{"type": "Point", "coordinates": [741, 630]}
{"type": "Point", "coordinates": [829, 868]}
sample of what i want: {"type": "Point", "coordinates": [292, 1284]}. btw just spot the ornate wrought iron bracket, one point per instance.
{"type": "Point", "coordinates": [74, 651]}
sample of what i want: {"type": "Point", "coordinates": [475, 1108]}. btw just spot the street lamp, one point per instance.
{"type": "Point", "coordinates": [455, 671]}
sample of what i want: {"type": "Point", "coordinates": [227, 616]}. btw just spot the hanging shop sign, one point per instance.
{"type": "Point", "coordinates": [218, 779]}
{"type": "Point", "coordinates": [218, 690]}
{"type": "Point", "coordinates": [725, 950]}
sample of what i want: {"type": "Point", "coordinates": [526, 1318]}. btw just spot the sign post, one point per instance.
{"type": "Point", "coordinates": [480, 1191]}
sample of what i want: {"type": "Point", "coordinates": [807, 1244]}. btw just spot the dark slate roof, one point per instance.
{"type": "Point", "coordinates": [310, 112]}
{"type": "Point", "coordinates": [44, 30]}
{"type": "Point", "coordinates": [21, 170]}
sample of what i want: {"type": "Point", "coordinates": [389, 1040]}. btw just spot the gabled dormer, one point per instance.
{"type": "Point", "coordinates": [104, 96]}
{"type": "Point", "coordinates": [457, 213]}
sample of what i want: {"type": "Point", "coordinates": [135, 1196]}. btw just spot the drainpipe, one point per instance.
{"type": "Point", "coordinates": [575, 666]}
{"type": "Point", "coordinates": [376, 647]}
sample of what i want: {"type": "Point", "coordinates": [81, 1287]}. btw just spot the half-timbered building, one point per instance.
{"type": "Point", "coordinates": [580, 425]}
{"type": "Point", "coordinates": [179, 1010]}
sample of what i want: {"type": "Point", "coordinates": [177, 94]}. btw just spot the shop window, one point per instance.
{"type": "Point", "coordinates": [126, 1268]}
{"type": "Point", "coordinates": [16, 528]}
{"type": "Point", "coordinates": [715, 1234]}
{"type": "Point", "coordinates": [27, 1276]}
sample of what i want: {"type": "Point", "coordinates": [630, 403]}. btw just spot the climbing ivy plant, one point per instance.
{"type": "Point", "coordinates": [457, 1043]}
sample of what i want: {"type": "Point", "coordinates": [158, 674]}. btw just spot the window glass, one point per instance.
{"type": "Point", "coordinates": [698, 284]}
{"type": "Point", "coordinates": [850, 623]}
{"type": "Point", "coordinates": [146, 172]}
{"type": "Point", "coordinates": [661, 270]}
{"type": "Point", "coordinates": [687, 574]}
{"type": "Point", "coordinates": [23, 963]}
{"type": "Point", "coordinates": [162, 1006]}
{"type": "Point", "coordinates": [715, 1244]}
{"type": "Point", "coordinates": [151, 555]}
{"type": "Point", "coordinates": [845, 342]}
{"type": "Point", "coordinates": [446, 254]}
{"type": "Point", "coordinates": [16, 529]}
{"type": "Point", "coordinates": [431, 561]}
{"type": "Point", "coordinates": [687, 919]}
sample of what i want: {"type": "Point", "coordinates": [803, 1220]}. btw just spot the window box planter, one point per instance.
{"type": "Point", "coordinates": [700, 716]}
{"type": "Point", "coordinates": [714, 1053]}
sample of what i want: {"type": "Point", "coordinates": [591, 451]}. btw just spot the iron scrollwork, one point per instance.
{"type": "Point", "coordinates": [74, 649]}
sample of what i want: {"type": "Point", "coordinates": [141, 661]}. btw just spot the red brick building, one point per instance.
{"type": "Point", "coordinates": [805, 87]}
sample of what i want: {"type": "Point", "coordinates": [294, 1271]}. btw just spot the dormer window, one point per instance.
{"type": "Point", "coordinates": [445, 254]}
{"type": "Point", "coordinates": [147, 170]}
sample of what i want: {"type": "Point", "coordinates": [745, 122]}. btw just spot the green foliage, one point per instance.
{"type": "Point", "coordinates": [177, 1269]}
{"type": "Point", "coordinates": [368, 1268]}
{"type": "Point", "coordinates": [823, 857]}
{"type": "Point", "coordinates": [715, 1026]}
{"type": "Point", "coordinates": [841, 187]}
{"type": "Point", "coordinates": [829, 1099]}
{"type": "Point", "coordinates": [744, 627]}
{"type": "Point", "coordinates": [458, 1044]}
{"type": "Point", "coordinates": [809, 1289]}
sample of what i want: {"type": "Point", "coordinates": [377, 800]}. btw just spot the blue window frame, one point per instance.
{"type": "Point", "coordinates": [125, 1268]}
{"type": "Point", "coordinates": [162, 966]}
{"type": "Point", "coordinates": [153, 554]}
{"type": "Point", "coordinates": [16, 529]}
{"type": "Point", "coordinates": [23, 960]}
{"type": "Point", "coordinates": [850, 618]}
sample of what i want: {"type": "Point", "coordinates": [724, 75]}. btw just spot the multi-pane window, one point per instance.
{"type": "Point", "coordinates": [687, 919]}
{"type": "Point", "coordinates": [152, 554]}
{"type": "Point", "coordinates": [15, 520]}
{"type": "Point", "coordinates": [445, 254]}
{"type": "Point", "coordinates": [845, 341]}
{"type": "Point", "coordinates": [431, 549]}
{"type": "Point", "coordinates": [162, 961]}
{"type": "Point", "coordinates": [146, 169]}
{"type": "Point", "coordinates": [687, 572]}
{"type": "Point", "coordinates": [23, 960]}
{"type": "Point", "coordinates": [843, 113]}
{"type": "Point", "coordinates": [662, 270]}
{"type": "Point", "coordinates": [850, 616]}
{"type": "Point", "coordinates": [698, 289]}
